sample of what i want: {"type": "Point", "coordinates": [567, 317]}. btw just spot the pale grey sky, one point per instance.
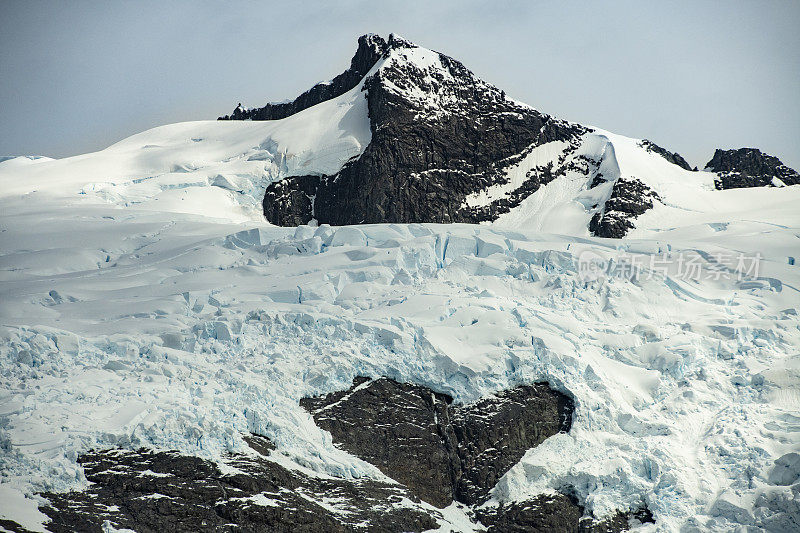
{"type": "Point", "coordinates": [691, 76]}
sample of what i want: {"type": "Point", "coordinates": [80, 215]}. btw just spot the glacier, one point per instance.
{"type": "Point", "coordinates": [145, 302]}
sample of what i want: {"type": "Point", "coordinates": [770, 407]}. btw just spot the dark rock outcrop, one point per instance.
{"type": "Point", "coordinates": [10, 525]}
{"type": "Point", "coordinates": [440, 451]}
{"type": "Point", "coordinates": [403, 429]}
{"type": "Point", "coordinates": [444, 452]}
{"type": "Point", "coordinates": [559, 512]}
{"type": "Point", "coordinates": [290, 202]}
{"type": "Point", "coordinates": [421, 165]}
{"type": "Point", "coordinates": [749, 167]}
{"type": "Point", "coordinates": [369, 51]}
{"type": "Point", "coordinates": [629, 199]}
{"type": "Point", "coordinates": [162, 491]}
{"type": "Point", "coordinates": [494, 433]}
{"type": "Point", "coordinates": [673, 157]}
{"type": "Point", "coordinates": [539, 514]}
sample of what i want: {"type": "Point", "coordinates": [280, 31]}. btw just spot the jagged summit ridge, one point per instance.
{"type": "Point", "coordinates": [447, 146]}
{"type": "Point", "coordinates": [673, 157]}
{"type": "Point", "coordinates": [424, 79]}
{"type": "Point", "coordinates": [371, 48]}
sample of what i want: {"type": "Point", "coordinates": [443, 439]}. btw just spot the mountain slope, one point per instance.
{"type": "Point", "coordinates": [204, 167]}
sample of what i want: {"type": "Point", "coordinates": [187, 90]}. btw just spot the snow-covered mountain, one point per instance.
{"type": "Point", "coordinates": [449, 147]}
{"type": "Point", "coordinates": [171, 359]}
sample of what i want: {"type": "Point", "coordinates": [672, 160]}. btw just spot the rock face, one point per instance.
{"type": "Point", "coordinates": [629, 199]}
{"type": "Point", "coordinates": [370, 49]}
{"type": "Point", "coordinates": [555, 513]}
{"type": "Point", "coordinates": [289, 202]}
{"type": "Point", "coordinates": [673, 157]}
{"type": "Point", "coordinates": [749, 167]}
{"type": "Point", "coordinates": [162, 491]}
{"type": "Point", "coordinates": [494, 433]}
{"type": "Point", "coordinates": [542, 513]}
{"type": "Point", "coordinates": [428, 153]}
{"type": "Point", "coordinates": [402, 429]}
{"type": "Point", "coordinates": [441, 451]}
{"type": "Point", "coordinates": [444, 452]}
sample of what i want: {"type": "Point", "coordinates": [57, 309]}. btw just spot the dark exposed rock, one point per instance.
{"type": "Point", "coordinates": [427, 153]}
{"type": "Point", "coordinates": [370, 49]}
{"type": "Point", "coordinates": [494, 433]}
{"type": "Point", "coordinates": [749, 167]}
{"type": "Point", "coordinates": [629, 199]}
{"type": "Point", "coordinates": [598, 179]}
{"type": "Point", "coordinates": [290, 202]}
{"type": "Point", "coordinates": [422, 169]}
{"type": "Point", "coordinates": [10, 525]}
{"type": "Point", "coordinates": [441, 452]}
{"type": "Point", "coordinates": [557, 513]}
{"type": "Point", "coordinates": [401, 428]}
{"type": "Point", "coordinates": [542, 513]}
{"type": "Point", "coordinates": [673, 157]}
{"type": "Point", "coordinates": [156, 491]}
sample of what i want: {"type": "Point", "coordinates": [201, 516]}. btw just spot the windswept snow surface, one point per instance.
{"type": "Point", "coordinates": [213, 168]}
{"type": "Point", "coordinates": [688, 200]}
{"type": "Point", "coordinates": [144, 303]}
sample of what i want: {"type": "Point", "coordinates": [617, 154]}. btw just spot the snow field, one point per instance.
{"type": "Point", "coordinates": [196, 331]}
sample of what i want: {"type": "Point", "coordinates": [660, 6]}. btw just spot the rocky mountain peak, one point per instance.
{"type": "Point", "coordinates": [436, 83]}
{"type": "Point", "coordinates": [447, 146]}
{"type": "Point", "coordinates": [428, 79]}
{"type": "Point", "coordinates": [439, 134]}
{"type": "Point", "coordinates": [371, 48]}
{"type": "Point", "coordinates": [673, 157]}
{"type": "Point", "coordinates": [397, 42]}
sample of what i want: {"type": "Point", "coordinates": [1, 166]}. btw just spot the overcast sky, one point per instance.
{"type": "Point", "coordinates": [78, 76]}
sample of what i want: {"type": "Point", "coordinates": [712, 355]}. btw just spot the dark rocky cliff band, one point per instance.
{"type": "Point", "coordinates": [441, 451]}
{"type": "Point", "coordinates": [749, 167]}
